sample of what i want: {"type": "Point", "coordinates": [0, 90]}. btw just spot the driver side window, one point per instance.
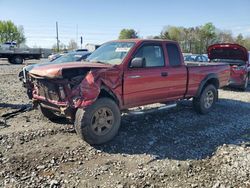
{"type": "Point", "coordinates": [153, 55]}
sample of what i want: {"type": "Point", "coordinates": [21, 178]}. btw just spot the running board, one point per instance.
{"type": "Point", "coordinates": [142, 111]}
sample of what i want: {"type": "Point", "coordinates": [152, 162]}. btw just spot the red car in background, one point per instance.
{"type": "Point", "coordinates": [238, 58]}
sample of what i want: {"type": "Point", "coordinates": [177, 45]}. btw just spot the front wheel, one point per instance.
{"type": "Point", "coordinates": [10, 60]}
{"type": "Point", "coordinates": [99, 122]}
{"type": "Point", "coordinates": [48, 113]}
{"type": "Point", "coordinates": [205, 102]}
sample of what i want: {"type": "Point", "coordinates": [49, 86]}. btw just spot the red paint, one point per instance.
{"type": "Point", "coordinates": [238, 74]}
{"type": "Point", "coordinates": [181, 82]}
{"type": "Point", "coordinates": [240, 51]}
{"type": "Point", "coordinates": [55, 70]}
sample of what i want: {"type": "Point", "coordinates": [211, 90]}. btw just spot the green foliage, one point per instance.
{"type": "Point", "coordinates": [128, 34]}
{"type": "Point", "coordinates": [197, 39]}
{"type": "Point", "coordinates": [247, 43]}
{"type": "Point", "coordinates": [10, 32]}
{"type": "Point", "coordinates": [224, 36]}
{"type": "Point", "coordinates": [240, 39]}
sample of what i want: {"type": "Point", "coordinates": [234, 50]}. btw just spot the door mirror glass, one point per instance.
{"type": "Point", "coordinates": [138, 62]}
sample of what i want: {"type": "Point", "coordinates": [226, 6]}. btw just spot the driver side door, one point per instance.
{"type": "Point", "coordinates": [147, 84]}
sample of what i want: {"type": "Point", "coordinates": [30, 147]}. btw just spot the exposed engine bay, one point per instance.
{"type": "Point", "coordinates": [64, 91]}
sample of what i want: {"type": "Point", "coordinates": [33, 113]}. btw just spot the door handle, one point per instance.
{"type": "Point", "coordinates": [135, 76]}
{"type": "Point", "coordinates": [164, 74]}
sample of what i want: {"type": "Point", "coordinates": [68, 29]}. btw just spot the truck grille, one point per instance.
{"type": "Point", "coordinates": [48, 90]}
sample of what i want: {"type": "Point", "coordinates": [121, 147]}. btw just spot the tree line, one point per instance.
{"type": "Point", "coordinates": [193, 39]}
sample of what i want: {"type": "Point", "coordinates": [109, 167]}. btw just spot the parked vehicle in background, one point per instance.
{"type": "Point", "coordinates": [17, 55]}
{"type": "Point", "coordinates": [82, 50]}
{"type": "Point", "coordinates": [237, 57]}
{"type": "Point", "coordinates": [8, 45]}
{"type": "Point", "coordinates": [196, 58]}
{"type": "Point", "coordinates": [68, 57]}
{"type": "Point", "coordinates": [120, 75]}
{"type": "Point", "coordinates": [52, 57]}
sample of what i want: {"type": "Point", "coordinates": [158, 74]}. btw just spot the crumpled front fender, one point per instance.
{"type": "Point", "coordinates": [90, 87]}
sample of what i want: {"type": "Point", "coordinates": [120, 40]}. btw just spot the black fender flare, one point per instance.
{"type": "Point", "coordinates": [109, 91]}
{"type": "Point", "coordinates": [205, 81]}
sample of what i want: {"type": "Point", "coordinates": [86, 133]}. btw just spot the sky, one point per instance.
{"type": "Point", "coordinates": [98, 21]}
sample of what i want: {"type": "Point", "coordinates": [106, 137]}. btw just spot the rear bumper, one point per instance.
{"type": "Point", "coordinates": [237, 79]}
{"type": "Point", "coordinates": [235, 83]}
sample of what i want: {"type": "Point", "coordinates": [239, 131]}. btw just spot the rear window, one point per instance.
{"type": "Point", "coordinates": [173, 54]}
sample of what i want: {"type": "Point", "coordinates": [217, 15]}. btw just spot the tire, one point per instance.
{"type": "Point", "coordinates": [10, 60]}
{"type": "Point", "coordinates": [98, 123]}
{"type": "Point", "coordinates": [17, 60]}
{"type": "Point", "coordinates": [244, 86]}
{"type": "Point", "coordinates": [205, 102]}
{"type": "Point", "coordinates": [48, 113]}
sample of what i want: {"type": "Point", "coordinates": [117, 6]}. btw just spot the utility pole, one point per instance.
{"type": "Point", "coordinates": [57, 39]}
{"type": "Point", "coordinates": [81, 42]}
{"type": "Point", "coordinates": [77, 34]}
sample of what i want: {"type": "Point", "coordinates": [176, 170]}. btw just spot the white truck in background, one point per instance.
{"type": "Point", "coordinates": [17, 55]}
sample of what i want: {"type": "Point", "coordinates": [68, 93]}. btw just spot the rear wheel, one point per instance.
{"type": "Point", "coordinates": [16, 60]}
{"type": "Point", "coordinates": [205, 102]}
{"type": "Point", "coordinates": [99, 122]}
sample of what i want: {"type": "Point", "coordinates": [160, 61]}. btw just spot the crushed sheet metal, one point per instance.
{"type": "Point", "coordinates": [90, 87]}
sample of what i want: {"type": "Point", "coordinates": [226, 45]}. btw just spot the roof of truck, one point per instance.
{"type": "Point", "coordinates": [136, 40]}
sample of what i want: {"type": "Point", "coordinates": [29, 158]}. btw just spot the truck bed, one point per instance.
{"type": "Point", "coordinates": [198, 71]}
{"type": "Point", "coordinates": [21, 51]}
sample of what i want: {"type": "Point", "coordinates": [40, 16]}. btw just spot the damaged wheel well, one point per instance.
{"type": "Point", "coordinates": [105, 92]}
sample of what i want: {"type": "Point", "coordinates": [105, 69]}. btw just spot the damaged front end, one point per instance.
{"type": "Point", "coordinates": [64, 90]}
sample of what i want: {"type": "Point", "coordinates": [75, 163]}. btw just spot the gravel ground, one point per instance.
{"type": "Point", "coordinates": [170, 148]}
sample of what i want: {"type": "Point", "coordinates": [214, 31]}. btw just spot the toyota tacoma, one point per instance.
{"type": "Point", "coordinates": [122, 75]}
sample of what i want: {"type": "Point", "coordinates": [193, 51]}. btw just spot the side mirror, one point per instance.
{"type": "Point", "coordinates": [138, 62]}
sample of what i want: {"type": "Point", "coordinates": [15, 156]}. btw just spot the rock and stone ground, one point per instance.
{"type": "Point", "coordinates": [170, 148]}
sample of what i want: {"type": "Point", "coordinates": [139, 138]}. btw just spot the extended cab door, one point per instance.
{"type": "Point", "coordinates": [163, 78]}
{"type": "Point", "coordinates": [177, 72]}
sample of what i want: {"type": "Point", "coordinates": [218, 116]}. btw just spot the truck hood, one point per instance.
{"type": "Point", "coordinates": [227, 51]}
{"type": "Point", "coordinates": [55, 70]}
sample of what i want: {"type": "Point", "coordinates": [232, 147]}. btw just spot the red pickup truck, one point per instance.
{"type": "Point", "coordinates": [121, 75]}
{"type": "Point", "coordinates": [237, 57]}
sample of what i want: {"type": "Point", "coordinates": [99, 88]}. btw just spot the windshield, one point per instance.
{"type": "Point", "coordinates": [70, 57]}
{"type": "Point", "coordinates": [111, 53]}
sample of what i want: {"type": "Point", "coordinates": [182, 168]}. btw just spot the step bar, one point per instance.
{"type": "Point", "coordinates": [140, 112]}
